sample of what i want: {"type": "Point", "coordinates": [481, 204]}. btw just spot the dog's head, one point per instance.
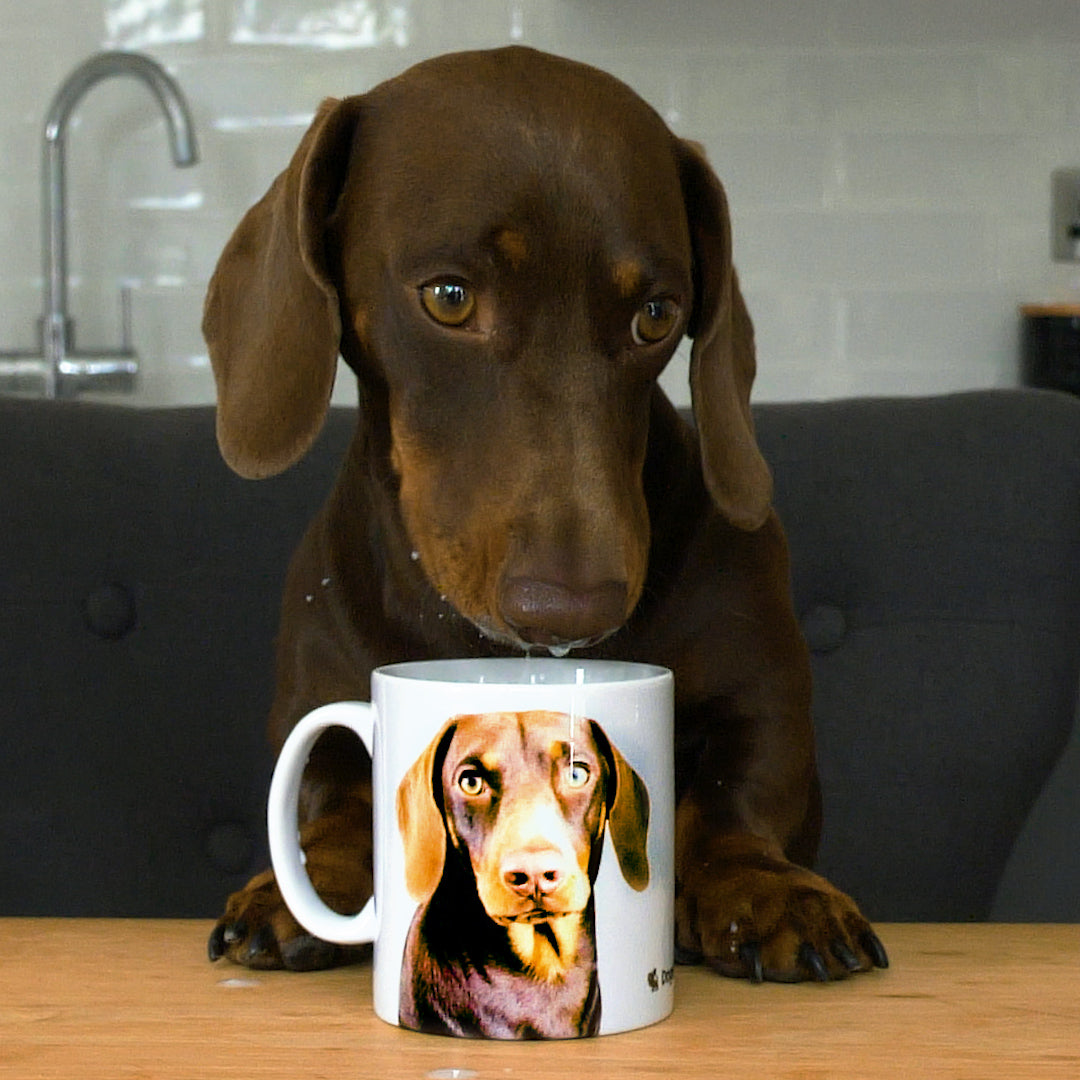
{"type": "Point", "coordinates": [525, 798]}
{"type": "Point", "coordinates": [507, 248]}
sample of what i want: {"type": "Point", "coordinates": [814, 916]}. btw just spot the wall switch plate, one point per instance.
{"type": "Point", "coordinates": [1065, 215]}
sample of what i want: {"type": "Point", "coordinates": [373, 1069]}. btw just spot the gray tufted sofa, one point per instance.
{"type": "Point", "coordinates": [936, 563]}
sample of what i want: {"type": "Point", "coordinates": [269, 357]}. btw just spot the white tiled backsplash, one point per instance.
{"type": "Point", "coordinates": [887, 161]}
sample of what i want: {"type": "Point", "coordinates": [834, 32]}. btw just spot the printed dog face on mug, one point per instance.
{"type": "Point", "coordinates": [502, 819]}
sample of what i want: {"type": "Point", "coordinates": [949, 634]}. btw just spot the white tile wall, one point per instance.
{"type": "Point", "coordinates": [887, 161]}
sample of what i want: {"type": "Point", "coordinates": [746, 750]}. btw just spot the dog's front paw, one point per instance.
{"type": "Point", "coordinates": [752, 914]}
{"type": "Point", "coordinates": [258, 931]}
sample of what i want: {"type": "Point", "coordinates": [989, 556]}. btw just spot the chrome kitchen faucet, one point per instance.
{"type": "Point", "coordinates": [57, 367]}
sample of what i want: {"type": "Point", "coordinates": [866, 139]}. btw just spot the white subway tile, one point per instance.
{"type": "Point", "coordinates": [51, 25]}
{"type": "Point", "coordinates": [174, 366]}
{"type": "Point", "coordinates": [879, 249]}
{"type": "Point", "coordinates": [907, 90]}
{"type": "Point", "coordinates": [874, 23]}
{"type": "Point", "coordinates": [887, 169]}
{"type": "Point", "coordinates": [331, 24]}
{"type": "Point", "coordinates": [901, 169]}
{"type": "Point", "coordinates": [21, 304]}
{"type": "Point", "coordinates": [136, 24]}
{"type": "Point", "coordinates": [762, 90]}
{"type": "Point", "coordinates": [704, 25]}
{"type": "Point", "coordinates": [793, 326]}
{"type": "Point", "coordinates": [675, 378]}
{"type": "Point", "coordinates": [959, 335]}
{"type": "Point", "coordinates": [774, 170]}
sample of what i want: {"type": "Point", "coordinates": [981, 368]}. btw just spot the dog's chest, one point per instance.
{"type": "Point", "coordinates": [520, 1006]}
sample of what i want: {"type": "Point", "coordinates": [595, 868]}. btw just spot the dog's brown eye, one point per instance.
{"type": "Point", "coordinates": [471, 782]}
{"type": "Point", "coordinates": [654, 321]}
{"type": "Point", "coordinates": [577, 774]}
{"type": "Point", "coordinates": [448, 302]}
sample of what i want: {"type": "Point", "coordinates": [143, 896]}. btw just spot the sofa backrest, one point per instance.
{"type": "Point", "coordinates": [936, 570]}
{"type": "Point", "coordinates": [935, 551]}
{"type": "Point", "coordinates": [139, 590]}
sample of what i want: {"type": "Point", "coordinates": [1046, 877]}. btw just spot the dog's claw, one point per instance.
{"type": "Point", "coordinates": [812, 960]}
{"type": "Point", "coordinates": [223, 937]}
{"type": "Point", "coordinates": [234, 932]}
{"type": "Point", "coordinates": [846, 956]}
{"type": "Point", "coordinates": [750, 955]}
{"type": "Point", "coordinates": [874, 949]}
{"type": "Point", "coordinates": [215, 946]}
{"type": "Point", "coordinates": [261, 945]}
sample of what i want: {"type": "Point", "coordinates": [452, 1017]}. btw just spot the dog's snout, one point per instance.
{"type": "Point", "coordinates": [552, 614]}
{"type": "Point", "coordinates": [535, 873]}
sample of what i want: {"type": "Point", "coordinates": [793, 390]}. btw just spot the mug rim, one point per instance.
{"type": "Point", "coordinates": [530, 671]}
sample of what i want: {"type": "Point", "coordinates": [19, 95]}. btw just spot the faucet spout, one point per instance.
{"type": "Point", "coordinates": [56, 323]}
{"type": "Point", "coordinates": [106, 64]}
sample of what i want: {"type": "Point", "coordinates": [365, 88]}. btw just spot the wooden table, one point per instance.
{"type": "Point", "coordinates": [1051, 309]}
{"type": "Point", "coordinates": [125, 999]}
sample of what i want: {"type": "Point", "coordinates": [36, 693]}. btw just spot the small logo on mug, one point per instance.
{"type": "Point", "coordinates": [502, 819]}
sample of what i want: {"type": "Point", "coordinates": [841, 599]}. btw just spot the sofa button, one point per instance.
{"type": "Point", "coordinates": [824, 627]}
{"type": "Point", "coordinates": [109, 611]}
{"type": "Point", "coordinates": [230, 847]}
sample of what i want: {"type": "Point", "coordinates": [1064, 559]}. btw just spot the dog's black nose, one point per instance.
{"type": "Point", "coordinates": [533, 873]}
{"type": "Point", "coordinates": [551, 614]}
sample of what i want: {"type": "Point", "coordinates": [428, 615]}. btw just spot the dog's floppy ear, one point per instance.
{"type": "Point", "coordinates": [271, 318]}
{"type": "Point", "coordinates": [420, 817]}
{"type": "Point", "coordinates": [628, 814]}
{"type": "Point", "coordinates": [722, 364]}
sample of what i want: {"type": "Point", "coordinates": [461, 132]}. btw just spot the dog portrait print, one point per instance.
{"type": "Point", "coordinates": [502, 819]}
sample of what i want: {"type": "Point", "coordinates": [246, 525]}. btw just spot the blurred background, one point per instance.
{"type": "Point", "coordinates": [888, 162]}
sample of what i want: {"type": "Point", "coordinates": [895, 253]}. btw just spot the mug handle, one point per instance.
{"type": "Point", "coordinates": [285, 853]}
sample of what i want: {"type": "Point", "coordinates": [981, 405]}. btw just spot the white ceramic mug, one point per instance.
{"type": "Point", "coordinates": [524, 837]}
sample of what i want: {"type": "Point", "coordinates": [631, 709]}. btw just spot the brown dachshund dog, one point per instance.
{"type": "Point", "coordinates": [506, 248]}
{"type": "Point", "coordinates": [503, 834]}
